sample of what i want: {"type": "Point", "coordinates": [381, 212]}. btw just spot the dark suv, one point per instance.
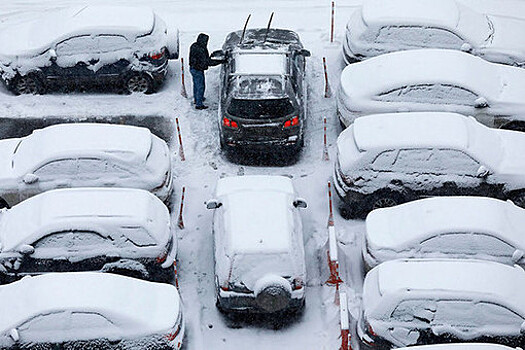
{"type": "Point", "coordinates": [93, 45]}
{"type": "Point", "coordinates": [262, 90]}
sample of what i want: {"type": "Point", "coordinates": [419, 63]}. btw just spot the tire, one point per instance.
{"type": "Point", "coordinates": [138, 83]}
{"type": "Point", "coordinates": [518, 198]}
{"type": "Point", "coordinates": [384, 199]}
{"type": "Point", "coordinates": [28, 85]}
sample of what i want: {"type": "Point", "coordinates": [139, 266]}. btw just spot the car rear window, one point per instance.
{"type": "Point", "coordinates": [260, 109]}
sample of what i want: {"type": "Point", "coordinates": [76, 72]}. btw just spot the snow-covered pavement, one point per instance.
{"type": "Point", "coordinates": [318, 327]}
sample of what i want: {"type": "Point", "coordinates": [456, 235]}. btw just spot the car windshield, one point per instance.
{"type": "Point", "coordinates": [261, 108]}
{"type": "Point", "coordinates": [258, 86]}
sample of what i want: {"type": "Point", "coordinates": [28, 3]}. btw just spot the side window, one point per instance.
{"type": "Point", "coordinates": [454, 314]}
{"type": "Point", "coordinates": [430, 93]}
{"type": "Point", "coordinates": [111, 43]}
{"type": "Point", "coordinates": [73, 241]}
{"type": "Point", "coordinates": [492, 314]}
{"type": "Point", "coordinates": [42, 325]}
{"type": "Point", "coordinates": [417, 311]}
{"type": "Point", "coordinates": [414, 160]}
{"type": "Point", "coordinates": [91, 168]}
{"type": "Point", "coordinates": [384, 161]}
{"type": "Point", "coordinates": [415, 36]}
{"type": "Point", "coordinates": [77, 46]}
{"type": "Point", "coordinates": [53, 170]}
{"type": "Point", "coordinates": [117, 170]}
{"type": "Point", "coordinates": [453, 94]}
{"type": "Point", "coordinates": [456, 162]}
{"type": "Point", "coordinates": [89, 320]}
{"type": "Point", "coordinates": [467, 243]}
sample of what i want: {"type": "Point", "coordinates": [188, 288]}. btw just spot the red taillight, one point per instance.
{"type": "Point", "coordinates": [172, 336]}
{"type": "Point", "coordinates": [370, 330]}
{"type": "Point", "coordinates": [161, 258]}
{"type": "Point", "coordinates": [291, 122]}
{"type": "Point", "coordinates": [156, 55]}
{"type": "Point", "coordinates": [229, 123]}
{"type": "Point", "coordinates": [298, 283]}
{"type": "Point", "coordinates": [225, 288]}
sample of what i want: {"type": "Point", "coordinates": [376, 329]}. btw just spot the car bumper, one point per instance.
{"type": "Point", "coordinates": [248, 139]}
{"type": "Point", "coordinates": [239, 302]}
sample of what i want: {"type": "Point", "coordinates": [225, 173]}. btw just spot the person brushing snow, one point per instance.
{"type": "Point", "coordinates": [200, 60]}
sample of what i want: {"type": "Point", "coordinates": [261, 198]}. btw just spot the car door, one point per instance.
{"type": "Point", "coordinates": [54, 174]}
{"type": "Point", "coordinates": [48, 327]}
{"type": "Point", "coordinates": [410, 321]}
{"type": "Point", "coordinates": [115, 53]}
{"type": "Point", "coordinates": [75, 60]}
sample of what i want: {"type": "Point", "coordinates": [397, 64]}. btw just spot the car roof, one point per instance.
{"type": "Point", "coordinates": [35, 37]}
{"type": "Point", "coordinates": [255, 38]}
{"type": "Point", "coordinates": [429, 66]}
{"type": "Point", "coordinates": [442, 13]}
{"type": "Point", "coordinates": [117, 213]}
{"type": "Point", "coordinates": [452, 278]}
{"type": "Point", "coordinates": [74, 140]}
{"type": "Point", "coordinates": [132, 304]}
{"type": "Point", "coordinates": [408, 224]}
{"type": "Point", "coordinates": [258, 213]}
{"type": "Point", "coordinates": [411, 130]}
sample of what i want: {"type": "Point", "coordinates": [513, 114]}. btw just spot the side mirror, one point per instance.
{"type": "Point", "coordinates": [466, 47]}
{"type": "Point", "coordinates": [482, 172]}
{"type": "Point", "coordinates": [304, 52]}
{"type": "Point", "coordinates": [517, 255]}
{"type": "Point", "coordinates": [26, 249]}
{"type": "Point", "coordinates": [213, 204]}
{"type": "Point", "coordinates": [300, 203]}
{"type": "Point", "coordinates": [13, 333]}
{"type": "Point", "coordinates": [52, 55]}
{"type": "Point", "coordinates": [30, 179]}
{"type": "Point", "coordinates": [481, 102]}
{"type": "Point", "coordinates": [218, 55]}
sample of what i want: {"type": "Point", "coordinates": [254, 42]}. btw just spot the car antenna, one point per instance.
{"type": "Point", "coordinates": [244, 30]}
{"type": "Point", "coordinates": [268, 27]}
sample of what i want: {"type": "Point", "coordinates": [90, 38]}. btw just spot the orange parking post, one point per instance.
{"type": "Point", "coordinates": [181, 149]}
{"type": "Point", "coordinates": [183, 86]}
{"type": "Point", "coordinates": [180, 222]}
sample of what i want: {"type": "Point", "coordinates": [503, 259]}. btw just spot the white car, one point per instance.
{"type": "Point", "coordinates": [460, 346]}
{"type": "Point", "coordinates": [379, 27]}
{"type": "Point", "coordinates": [259, 252]}
{"type": "Point", "coordinates": [388, 159]}
{"type": "Point", "coordinates": [446, 227]}
{"type": "Point", "coordinates": [433, 80]}
{"type": "Point", "coordinates": [83, 155]}
{"type": "Point", "coordinates": [80, 310]}
{"type": "Point", "coordinates": [119, 230]}
{"type": "Point", "coordinates": [419, 302]}
{"type": "Point", "coordinates": [88, 45]}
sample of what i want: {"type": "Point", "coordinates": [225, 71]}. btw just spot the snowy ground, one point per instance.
{"type": "Point", "coordinates": [318, 327]}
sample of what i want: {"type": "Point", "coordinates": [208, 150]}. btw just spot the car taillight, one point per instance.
{"type": "Point", "coordinates": [172, 336]}
{"type": "Point", "coordinates": [369, 329]}
{"type": "Point", "coordinates": [156, 55]}
{"type": "Point", "coordinates": [229, 123]}
{"type": "Point", "coordinates": [161, 258]}
{"type": "Point", "coordinates": [291, 122]}
{"type": "Point", "coordinates": [297, 284]}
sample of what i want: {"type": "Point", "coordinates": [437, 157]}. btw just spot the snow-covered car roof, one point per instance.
{"type": "Point", "coordinates": [275, 38]}
{"type": "Point", "coordinates": [257, 213]}
{"type": "Point", "coordinates": [118, 213]}
{"type": "Point", "coordinates": [35, 37]}
{"type": "Point", "coordinates": [459, 346]}
{"type": "Point", "coordinates": [131, 304]}
{"type": "Point", "coordinates": [428, 66]}
{"type": "Point", "coordinates": [81, 140]}
{"type": "Point", "coordinates": [442, 13]}
{"type": "Point", "coordinates": [402, 226]}
{"type": "Point", "coordinates": [477, 279]}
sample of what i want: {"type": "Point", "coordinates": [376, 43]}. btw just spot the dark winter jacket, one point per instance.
{"type": "Point", "coordinates": [199, 56]}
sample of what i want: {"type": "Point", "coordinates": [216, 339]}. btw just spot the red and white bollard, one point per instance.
{"type": "Point", "coordinates": [327, 92]}
{"type": "Point", "coordinates": [326, 157]}
{"type": "Point", "coordinates": [183, 86]}
{"type": "Point", "coordinates": [180, 222]}
{"type": "Point", "coordinates": [332, 22]}
{"type": "Point", "coordinates": [330, 206]}
{"type": "Point", "coordinates": [176, 274]}
{"type": "Point", "coordinates": [181, 149]}
{"type": "Point", "coordinates": [344, 323]}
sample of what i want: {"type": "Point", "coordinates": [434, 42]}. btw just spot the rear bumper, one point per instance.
{"type": "Point", "coordinates": [239, 302]}
{"type": "Point", "coordinates": [245, 138]}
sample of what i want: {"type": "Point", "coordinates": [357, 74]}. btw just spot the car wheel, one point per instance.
{"type": "Point", "coordinates": [27, 85]}
{"type": "Point", "coordinates": [518, 199]}
{"type": "Point", "coordinates": [385, 199]}
{"type": "Point", "coordinates": [139, 83]}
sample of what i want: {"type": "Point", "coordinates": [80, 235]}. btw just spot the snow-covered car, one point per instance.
{"type": "Point", "coordinates": [258, 239]}
{"type": "Point", "coordinates": [433, 80]}
{"type": "Point", "coordinates": [418, 302]}
{"type": "Point", "coordinates": [82, 46]}
{"type": "Point", "coordinates": [446, 227]}
{"type": "Point", "coordinates": [387, 159]}
{"type": "Point", "coordinates": [90, 310]}
{"type": "Point", "coordinates": [83, 155]}
{"type": "Point", "coordinates": [379, 27]}
{"type": "Point", "coordinates": [262, 90]}
{"type": "Point", "coordinates": [119, 230]}
{"type": "Point", "coordinates": [459, 346]}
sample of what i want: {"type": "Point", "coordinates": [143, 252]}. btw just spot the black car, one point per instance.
{"type": "Point", "coordinates": [104, 46]}
{"type": "Point", "coordinates": [262, 90]}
